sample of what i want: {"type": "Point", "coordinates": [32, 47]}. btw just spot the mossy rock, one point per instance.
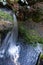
{"type": "Point", "coordinates": [6, 20]}
{"type": "Point", "coordinates": [6, 16]}
{"type": "Point", "coordinates": [41, 56]}
{"type": "Point", "coordinates": [31, 36]}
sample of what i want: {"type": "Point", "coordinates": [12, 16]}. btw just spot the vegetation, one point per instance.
{"type": "Point", "coordinates": [6, 16]}
{"type": "Point", "coordinates": [41, 56]}
{"type": "Point", "coordinates": [30, 36]}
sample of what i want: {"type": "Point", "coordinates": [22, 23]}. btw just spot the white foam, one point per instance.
{"type": "Point", "coordinates": [14, 53]}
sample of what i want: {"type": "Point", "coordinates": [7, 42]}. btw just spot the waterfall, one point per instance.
{"type": "Point", "coordinates": [9, 45]}
{"type": "Point", "coordinates": [17, 52]}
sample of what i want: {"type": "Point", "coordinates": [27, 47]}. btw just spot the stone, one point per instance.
{"type": "Point", "coordinates": [5, 25]}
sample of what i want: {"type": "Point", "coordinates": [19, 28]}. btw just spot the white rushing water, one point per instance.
{"type": "Point", "coordinates": [9, 45]}
{"type": "Point", "coordinates": [14, 50]}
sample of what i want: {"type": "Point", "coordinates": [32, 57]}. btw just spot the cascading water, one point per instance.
{"type": "Point", "coordinates": [17, 53]}
{"type": "Point", "coordinates": [9, 45]}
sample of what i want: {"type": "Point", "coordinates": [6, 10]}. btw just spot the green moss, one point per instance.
{"type": "Point", "coordinates": [31, 36]}
{"type": "Point", "coordinates": [5, 16]}
{"type": "Point", "coordinates": [41, 56]}
{"type": "Point", "coordinates": [13, 1]}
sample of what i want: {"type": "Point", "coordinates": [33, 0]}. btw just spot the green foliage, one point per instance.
{"type": "Point", "coordinates": [41, 56]}
{"type": "Point", "coordinates": [30, 35]}
{"type": "Point", "coordinates": [5, 16]}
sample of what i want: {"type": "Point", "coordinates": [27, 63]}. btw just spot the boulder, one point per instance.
{"type": "Point", "coordinates": [6, 20]}
{"type": "Point", "coordinates": [5, 25]}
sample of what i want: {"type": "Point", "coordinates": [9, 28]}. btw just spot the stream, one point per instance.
{"type": "Point", "coordinates": [14, 52]}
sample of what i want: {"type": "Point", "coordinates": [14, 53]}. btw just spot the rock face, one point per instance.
{"type": "Point", "coordinates": [5, 25]}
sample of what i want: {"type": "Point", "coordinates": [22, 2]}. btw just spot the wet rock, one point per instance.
{"type": "Point", "coordinates": [41, 60]}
